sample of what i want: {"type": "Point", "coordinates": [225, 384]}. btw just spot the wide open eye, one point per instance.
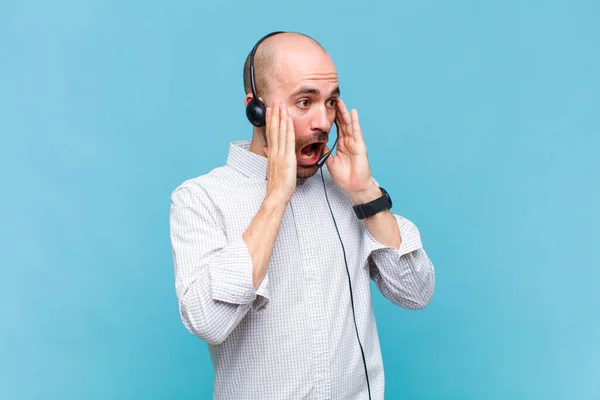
{"type": "Point", "coordinates": [303, 103]}
{"type": "Point", "coordinates": [331, 102]}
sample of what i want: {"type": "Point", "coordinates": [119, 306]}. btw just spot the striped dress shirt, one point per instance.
{"type": "Point", "coordinates": [294, 337]}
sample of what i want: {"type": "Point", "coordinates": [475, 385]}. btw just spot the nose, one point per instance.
{"type": "Point", "coordinates": [320, 119]}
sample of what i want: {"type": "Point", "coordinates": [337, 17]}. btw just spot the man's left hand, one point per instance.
{"type": "Point", "coordinates": [349, 168]}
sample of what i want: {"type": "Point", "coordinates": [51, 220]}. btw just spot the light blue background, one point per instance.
{"type": "Point", "coordinates": [481, 119]}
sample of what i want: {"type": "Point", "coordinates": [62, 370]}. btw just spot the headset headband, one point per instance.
{"type": "Point", "coordinates": [252, 83]}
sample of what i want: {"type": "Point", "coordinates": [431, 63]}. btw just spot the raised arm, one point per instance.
{"type": "Point", "coordinates": [218, 281]}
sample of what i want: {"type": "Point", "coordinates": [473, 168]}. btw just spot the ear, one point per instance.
{"type": "Point", "coordinates": [249, 97]}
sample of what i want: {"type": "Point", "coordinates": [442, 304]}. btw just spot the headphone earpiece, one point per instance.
{"type": "Point", "coordinates": [256, 112]}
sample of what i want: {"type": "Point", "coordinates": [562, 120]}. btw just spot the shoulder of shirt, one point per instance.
{"type": "Point", "coordinates": [217, 177]}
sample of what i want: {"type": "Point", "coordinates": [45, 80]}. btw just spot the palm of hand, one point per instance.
{"type": "Point", "coordinates": [350, 166]}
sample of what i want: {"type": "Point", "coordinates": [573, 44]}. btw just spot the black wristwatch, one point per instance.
{"type": "Point", "coordinates": [373, 207]}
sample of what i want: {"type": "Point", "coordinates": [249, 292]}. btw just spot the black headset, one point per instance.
{"type": "Point", "coordinates": [256, 113]}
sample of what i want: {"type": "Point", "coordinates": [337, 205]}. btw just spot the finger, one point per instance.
{"type": "Point", "coordinates": [282, 128]}
{"type": "Point", "coordinates": [343, 129]}
{"type": "Point", "coordinates": [345, 119]}
{"type": "Point", "coordinates": [341, 133]}
{"type": "Point", "coordinates": [268, 126]}
{"type": "Point", "coordinates": [274, 129]}
{"type": "Point", "coordinates": [357, 132]}
{"type": "Point", "coordinates": [291, 137]}
{"type": "Point", "coordinates": [340, 128]}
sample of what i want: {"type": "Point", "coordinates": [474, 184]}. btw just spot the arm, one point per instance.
{"type": "Point", "coordinates": [397, 261]}
{"type": "Point", "coordinates": [213, 278]}
{"type": "Point", "coordinates": [382, 226]}
{"type": "Point", "coordinates": [260, 237]}
{"type": "Point", "coordinates": [404, 275]}
{"type": "Point", "coordinates": [216, 281]}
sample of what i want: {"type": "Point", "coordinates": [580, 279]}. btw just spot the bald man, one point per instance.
{"type": "Point", "coordinates": [274, 255]}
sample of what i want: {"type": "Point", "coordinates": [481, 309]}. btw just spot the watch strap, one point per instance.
{"type": "Point", "coordinates": [371, 208]}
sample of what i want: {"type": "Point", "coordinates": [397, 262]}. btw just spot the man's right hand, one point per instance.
{"type": "Point", "coordinates": [281, 155]}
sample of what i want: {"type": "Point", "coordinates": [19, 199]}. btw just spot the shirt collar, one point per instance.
{"type": "Point", "coordinates": [244, 161]}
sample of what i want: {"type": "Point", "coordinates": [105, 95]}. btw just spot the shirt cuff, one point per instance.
{"type": "Point", "coordinates": [262, 294]}
{"type": "Point", "coordinates": [231, 277]}
{"type": "Point", "coordinates": [411, 239]}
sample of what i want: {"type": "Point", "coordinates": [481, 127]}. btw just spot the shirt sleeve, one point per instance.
{"type": "Point", "coordinates": [405, 276]}
{"type": "Point", "coordinates": [213, 275]}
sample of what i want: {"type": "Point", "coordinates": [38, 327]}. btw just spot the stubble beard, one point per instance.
{"type": "Point", "coordinates": [307, 172]}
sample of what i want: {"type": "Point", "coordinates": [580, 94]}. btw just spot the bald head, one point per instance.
{"type": "Point", "coordinates": [269, 55]}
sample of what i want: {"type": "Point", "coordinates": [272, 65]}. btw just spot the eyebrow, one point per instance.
{"type": "Point", "coordinates": [316, 92]}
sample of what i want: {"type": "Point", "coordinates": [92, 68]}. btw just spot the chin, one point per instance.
{"type": "Point", "coordinates": [305, 172]}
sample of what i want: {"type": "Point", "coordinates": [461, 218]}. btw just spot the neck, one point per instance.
{"type": "Point", "coordinates": [258, 144]}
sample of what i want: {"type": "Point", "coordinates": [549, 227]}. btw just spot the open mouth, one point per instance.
{"type": "Point", "coordinates": [310, 153]}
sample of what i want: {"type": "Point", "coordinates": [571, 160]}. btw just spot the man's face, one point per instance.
{"type": "Point", "coordinates": [307, 83]}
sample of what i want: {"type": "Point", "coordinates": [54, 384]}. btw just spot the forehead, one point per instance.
{"type": "Point", "coordinates": [306, 67]}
